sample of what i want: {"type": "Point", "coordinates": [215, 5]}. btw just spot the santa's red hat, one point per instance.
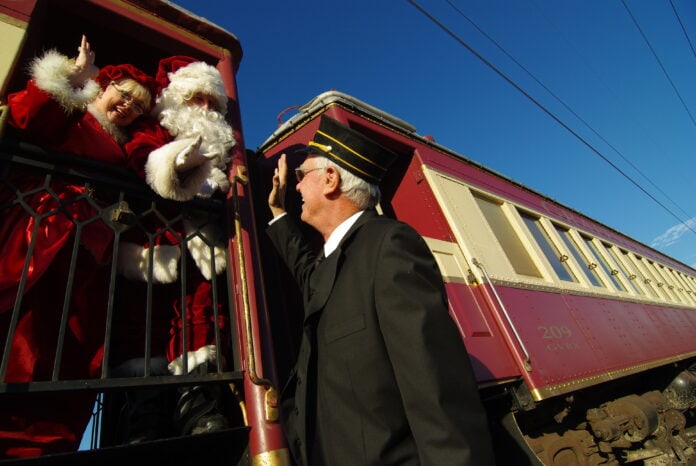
{"type": "Point", "coordinates": [187, 75]}
{"type": "Point", "coordinates": [117, 72]}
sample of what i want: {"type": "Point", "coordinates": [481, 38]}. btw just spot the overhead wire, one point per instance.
{"type": "Point", "coordinates": [545, 110]}
{"type": "Point", "coordinates": [562, 102]}
{"type": "Point", "coordinates": [659, 62]}
{"type": "Point", "coordinates": [676, 14]}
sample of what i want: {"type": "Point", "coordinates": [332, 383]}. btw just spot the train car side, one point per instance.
{"type": "Point", "coordinates": [571, 326]}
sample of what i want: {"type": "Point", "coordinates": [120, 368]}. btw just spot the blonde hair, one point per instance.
{"type": "Point", "coordinates": [140, 93]}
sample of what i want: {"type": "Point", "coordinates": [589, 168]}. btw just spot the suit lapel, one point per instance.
{"type": "Point", "coordinates": [321, 282]}
{"type": "Point", "coordinates": [324, 274]}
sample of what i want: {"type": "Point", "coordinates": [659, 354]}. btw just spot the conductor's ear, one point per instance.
{"type": "Point", "coordinates": [331, 177]}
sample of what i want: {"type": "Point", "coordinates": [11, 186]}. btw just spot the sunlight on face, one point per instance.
{"type": "Point", "coordinates": [203, 100]}
{"type": "Point", "coordinates": [310, 187]}
{"type": "Point", "coordinates": [118, 105]}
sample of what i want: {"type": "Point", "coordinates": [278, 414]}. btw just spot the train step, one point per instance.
{"type": "Point", "coordinates": [226, 447]}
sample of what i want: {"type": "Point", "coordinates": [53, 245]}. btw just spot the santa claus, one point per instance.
{"type": "Point", "coordinates": [184, 151]}
{"type": "Point", "coordinates": [191, 107]}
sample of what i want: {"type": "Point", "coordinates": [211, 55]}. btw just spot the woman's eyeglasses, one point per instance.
{"type": "Point", "coordinates": [301, 172]}
{"type": "Point", "coordinates": [129, 100]}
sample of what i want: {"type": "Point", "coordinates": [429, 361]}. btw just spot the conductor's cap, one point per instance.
{"type": "Point", "coordinates": [350, 150]}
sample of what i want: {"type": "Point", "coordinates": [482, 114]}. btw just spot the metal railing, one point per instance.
{"type": "Point", "coordinates": [44, 195]}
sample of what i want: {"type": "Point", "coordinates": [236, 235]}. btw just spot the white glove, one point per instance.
{"type": "Point", "coordinates": [177, 170]}
{"type": "Point", "coordinates": [217, 180]}
{"type": "Point", "coordinates": [194, 359]}
{"type": "Point", "coordinates": [190, 156]}
{"type": "Point", "coordinates": [214, 155]}
{"type": "Point", "coordinates": [133, 262]}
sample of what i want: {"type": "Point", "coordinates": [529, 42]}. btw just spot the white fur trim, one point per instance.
{"type": "Point", "coordinates": [51, 73]}
{"type": "Point", "coordinates": [116, 132]}
{"type": "Point", "coordinates": [200, 249]}
{"type": "Point", "coordinates": [163, 178]}
{"type": "Point", "coordinates": [194, 359]}
{"type": "Point", "coordinates": [133, 262]}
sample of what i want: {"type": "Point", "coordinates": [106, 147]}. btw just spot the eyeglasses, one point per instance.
{"type": "Point", "coordinates": [127, 97]}
{"type": "Point", "coordinates": [301, 172]}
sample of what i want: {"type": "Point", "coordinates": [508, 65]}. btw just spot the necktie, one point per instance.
{"type": "Point", "coordinates": [319, 258]}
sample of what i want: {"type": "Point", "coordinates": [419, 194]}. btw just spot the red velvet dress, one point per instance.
{"type": "Point", "coordinates": [52, 422]}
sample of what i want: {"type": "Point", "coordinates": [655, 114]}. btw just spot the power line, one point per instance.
{"type": "Point", "coordinates": [659, 62]}
{"type": "Point", "coordinates": [544, 109]}
{"type": "Point", "coordinates": [682, 27]}
{"type": "Point", "coordinates": [562, 102]}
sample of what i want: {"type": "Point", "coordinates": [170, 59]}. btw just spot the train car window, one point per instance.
{"type": "Point", "coordinates": [684, 280]}
{"type": "Point", "coordinates": [616, 272]}
{"type": "Point", "coordinates": [668, 283]}
{"type": "Point", "coordinates": [598, 259]}
{"type": "Point", "coordinates": [590, 272]}
{"type": "Point", "coordinates": [689, 286]}
{"type": "Point", "coordinates": [638, 275]}
{"type": "Point", "coordinates": [508, 238]}
{"type": "Point", "coordinates": [626, 275]}
{"type": "Point", "coordinates": [679, 286]}
{"type": "Point", "coordinates": [676, 285]}
{"type": "Point", "coordinates": [649, 277]}
{"type": "Point", "coordinates": [691, 283]}
{"type": "Point", "coordinates": [558, 261]}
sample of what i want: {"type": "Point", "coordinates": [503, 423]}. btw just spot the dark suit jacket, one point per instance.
{"type": "Point", "coordinates": [382, 376]}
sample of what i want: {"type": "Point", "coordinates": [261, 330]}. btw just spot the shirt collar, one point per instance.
{"type": "Point", "coordinates": [338, 234]}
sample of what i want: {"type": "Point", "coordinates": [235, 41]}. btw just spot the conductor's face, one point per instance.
{"type": "Point", "coordinates": [310, 185]}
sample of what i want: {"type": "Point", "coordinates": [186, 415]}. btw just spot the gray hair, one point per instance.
{"type": "Point", "coordinates": [365, 195]}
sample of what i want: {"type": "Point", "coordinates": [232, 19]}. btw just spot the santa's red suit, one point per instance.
{"type": "Point", "coordinates": [201, 140]}
{"type": "Point", "coordinates": [149, 141]}
{"type": "Point", "coordinates": [56, 116]}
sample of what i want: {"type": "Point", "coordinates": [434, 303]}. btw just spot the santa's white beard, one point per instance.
{"type": "Point", "coordinates": [190, 121]}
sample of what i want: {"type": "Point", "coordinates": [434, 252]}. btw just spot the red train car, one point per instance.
{"type": "Point", "coordinates": [580, 337]}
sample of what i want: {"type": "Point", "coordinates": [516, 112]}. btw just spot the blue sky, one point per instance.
{"type": "Point", "coordinates": [618, 73]}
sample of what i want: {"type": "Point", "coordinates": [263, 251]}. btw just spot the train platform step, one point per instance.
{"type": "Point", "coordinates": [226, 447]}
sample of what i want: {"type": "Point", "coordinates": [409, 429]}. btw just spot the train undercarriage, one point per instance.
{"type": "Point", "coordinates": [649, 421]}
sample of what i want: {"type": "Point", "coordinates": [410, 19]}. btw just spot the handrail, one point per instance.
{"type": "Point", "coordinates": [527, 359]}
{"type": "Point", "coordinates": [240, 177]}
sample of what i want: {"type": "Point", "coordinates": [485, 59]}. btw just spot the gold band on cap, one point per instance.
{"type": "Point", "coordinates": [350, 150]}
{"type": "Point", "coordinates": [329, 137]}
{"type": "Point", "coordinates": [329, 150]}
{"type": "Point", "coordinates": [324, 148]}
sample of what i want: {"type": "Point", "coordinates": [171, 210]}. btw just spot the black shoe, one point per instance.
{"type": "Point", "coordinates": [199, 410]}
{"type": "Point", "coordinates": [213, 422]}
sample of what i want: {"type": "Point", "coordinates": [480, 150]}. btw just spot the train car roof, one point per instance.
{"type": "Point", "coordinates": [198, 25]}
